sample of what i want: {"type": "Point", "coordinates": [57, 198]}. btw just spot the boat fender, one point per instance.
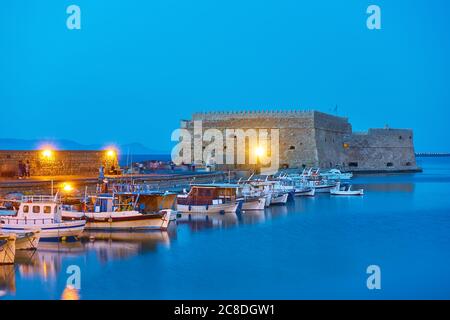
{"type": "Point", "coordinates": [190, 208]}
{"type": "Point", "coordinates": [207, 207]}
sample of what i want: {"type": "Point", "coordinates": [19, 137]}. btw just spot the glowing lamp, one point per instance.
{"type": "Point", "coordinates": [47, 153]}
{"type": "Point", "coordinates": [111, 153]}
{"type": "Point", "coordinates": [67, 187]}
{"type": "Point", "coordinates": [259, 151]}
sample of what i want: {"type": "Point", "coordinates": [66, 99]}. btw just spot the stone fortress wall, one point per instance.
{"type": "Point", "coordinates": [312, 138]}
{"type": "Point", "coordinates": [57, 163]}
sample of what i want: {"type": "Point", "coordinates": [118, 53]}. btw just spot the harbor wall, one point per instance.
{"type": "Point", "coordinates": [55, 162]}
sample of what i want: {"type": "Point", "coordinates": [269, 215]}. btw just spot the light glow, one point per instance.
{"type": "Point", "coordinates": [67, 187]}
{"type": "Point", "coordinates": [259, 151]}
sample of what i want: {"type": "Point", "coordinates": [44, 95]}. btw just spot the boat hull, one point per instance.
{"type": "Point", "coordinates": [28, 241]}
{"type": "Point", "coordinates": [7, 249]}
{"type": "Point", "coordinates": [323, 189]}
{"type": "Point", "coordinates": [124, 220]}
{"type": "Point", "coordinates": [347, 193]}
{"type": "Point", "coordinates": [66, 229]}
{"type": "Point", "coordinates": [213, 208]}
{"type": "Point", "coordinates": [254, 204]}
{"type": "Point", "coordinates": [280, 199]}
{"type": "Point", "coordinates": [305, 193]}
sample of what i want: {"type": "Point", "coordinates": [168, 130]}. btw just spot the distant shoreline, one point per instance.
{"type": "Point", "coordinates": [431, 154]}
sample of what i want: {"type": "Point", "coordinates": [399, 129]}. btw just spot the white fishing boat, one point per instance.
{"type": "Point", "coordinates": [28, 241]}
{"type": "Point", "coordinates": [253, 203]}
{"type": "Point", "coordinates": [209, 198]}
{"type": "Point", "coordinates": [345, 190]}
{"type": "Point", "coordinates": [7, 248]}
{"type": "Point", "coordinates": [279, 198]}
{"type": "Point", "coordinates": [305, 192]}
{"type": "Point", "coordinates": [43, 213]}
{"type": "Point", "coordinates": [336, 174]}
{"type": "Point", "coordinates": [124, 210]}
{"type": "Point", "coordinates": [321, 185]}
{"type": "Point", "coordinates": [262, 188]}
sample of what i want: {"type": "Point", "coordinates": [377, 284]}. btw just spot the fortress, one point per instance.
{"type": "Point", "coordinates": [316, 139]}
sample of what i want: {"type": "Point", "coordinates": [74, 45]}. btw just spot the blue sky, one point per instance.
{"type": "Point", "coordinates": [137, 67]}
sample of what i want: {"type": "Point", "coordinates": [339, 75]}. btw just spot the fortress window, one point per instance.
{"type": "Point", "coordinates": [292, 148]}
{"type": "Point", "coordinates": [353, 164]}
{"type": "Point", "coordinates": [400, 137]}
{"type": "Point", "coordinates": [410, 137]}
{"type": "Point", "coordinates": [8, 156]}
{"type": "Point", "coordinates": [408, 164]}
{"type": "Point", "coordinates": [389, 164]}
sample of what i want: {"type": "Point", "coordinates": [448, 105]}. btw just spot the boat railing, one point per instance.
{"type": "Point", "coordinates": [27, 221]}
{"type": "Point", "coordinates": [39, 199]}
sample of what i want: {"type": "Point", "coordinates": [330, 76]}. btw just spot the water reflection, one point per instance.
{"type": "Point", "coordinates": [7, 280]}
{"type": "Point", "coordinates": [46, 263]}
{"type": "Point", "coordinates": [201, 221]}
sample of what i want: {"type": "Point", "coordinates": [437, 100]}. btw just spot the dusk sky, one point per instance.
{"type": "Point", "coordinates": [136, 68]}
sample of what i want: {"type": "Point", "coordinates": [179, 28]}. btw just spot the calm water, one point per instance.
{"type": "Point", "coordinates": [313, 248]}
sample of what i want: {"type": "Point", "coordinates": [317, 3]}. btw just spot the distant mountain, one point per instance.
{"type": "Point", "coordinates": [63, 144]}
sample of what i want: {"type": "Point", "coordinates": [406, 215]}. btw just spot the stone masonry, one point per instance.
{"type": "Point", "coordinates": [316, 139]}
{"type": "Point", "coordinates": [85, 163]}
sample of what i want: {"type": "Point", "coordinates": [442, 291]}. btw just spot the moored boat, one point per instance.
{"type": "Point", "coordinates": [209, 198]}
{"type": "Point", "coordinates": [336, 174]}
{"type": "Point", "coordinates": [43, 213]}
{"type": "Point", "coordinates": [345, 190]}
{"type": "Point", "coordinates": [280, 198]}
{"type": "Point", "coordinates": [253, 203]}
{"type": "Point", "coordinates": [305, 192]}
{"type": "Point", "coordinates": [28, 241]}
{"type": "Point", "coordinates": [7, 248]}
{"type": "Point", "coordinates": [125, 210]}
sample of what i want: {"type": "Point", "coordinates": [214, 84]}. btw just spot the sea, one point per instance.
{"type": "Point", "coordinates": [325, 247]}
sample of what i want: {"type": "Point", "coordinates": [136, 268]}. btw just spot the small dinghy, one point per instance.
{"type": "Point", "coordinates": [345, 190]}
{"type": "Point", "coordinates": [7, 248]}
{"type": "Point", "coordinates": [28, 240]}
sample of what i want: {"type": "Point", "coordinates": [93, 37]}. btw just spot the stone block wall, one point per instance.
{"type": "Point", "coordinates": [85, 163]}
{"type": "Point", "coordinates": [312, 138]}
{"type": "Point", "coordinates": [381, 150]}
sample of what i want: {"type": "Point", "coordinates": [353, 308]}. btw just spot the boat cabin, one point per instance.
{"type": "Point", "coordinates": [151, 202]}
{"type": "Point", "coordinates": [43, 209]}
{"type": "Point", "coordinates": [210, 194]}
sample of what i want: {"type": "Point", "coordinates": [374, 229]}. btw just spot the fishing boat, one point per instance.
{"type": "Point", "coordinates": [209, 198]}
{"type": "Point", "coordinates": [124, 210]}
{"type": "Point", "coordinates": [345, 190]}
{"type": "Point", "coordinates": [43, 213]}
{"type": "Point", "coordinates": [28, 241]}
{"type": "Point", "coordinates": [336, 174]}
{"type": "Point", "coordinates": [7, 248]}
{"type": "Point", "coordinates": [305, 192]}
{"type": "Point", "coordinates": [253, 203]}
{"type": "Point", "coordinates": [279, 197]}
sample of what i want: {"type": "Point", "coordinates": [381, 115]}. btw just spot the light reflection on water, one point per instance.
{"type": "Point", "coordinates": [311, 248]}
